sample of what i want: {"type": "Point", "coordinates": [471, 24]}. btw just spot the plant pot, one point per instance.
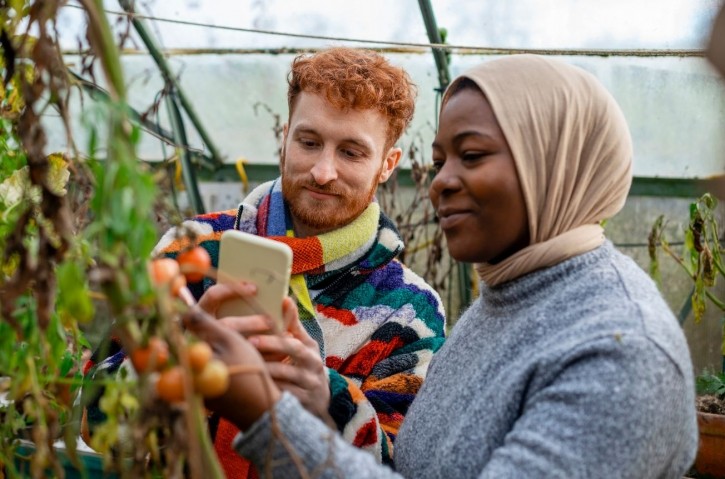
{"type": "Point", "coordinates": [710, 461]}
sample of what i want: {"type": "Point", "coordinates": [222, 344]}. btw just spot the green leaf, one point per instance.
{"type": "Point", "coordinates": [689, 253]}
{"type": "Point", "coordinates": [83, 341]}
{"type": "Point", "coordinates": [66, 364]}
{"type": "Point", "coordinates": [698, 299]}
{"type": "Point", "coordinates": [73, 295]}
{"type": "Point", "coordinates": [708, 383]}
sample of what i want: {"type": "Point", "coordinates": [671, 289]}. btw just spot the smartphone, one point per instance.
{"type": "Point", "coordinates": [262, 261]}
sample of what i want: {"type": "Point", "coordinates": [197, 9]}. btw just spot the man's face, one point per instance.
{"type": "Point", "coordinates": [332, 162]}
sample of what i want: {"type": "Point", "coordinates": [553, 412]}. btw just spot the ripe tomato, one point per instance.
{"type": "Point", "coordinates": [199, 355]}
{"type": "Point", "coordinates": [170, 386]}
{"type": "Point", "coordinates": [165, 271]}
{"type": "Point", "coordinates": [152, 357]}
{"type": "Point", "coordinates": [195, 263]}
{"type": "Point", "coordinates": [213, 380]}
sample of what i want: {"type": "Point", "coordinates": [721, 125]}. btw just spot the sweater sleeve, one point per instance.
{"type": "Point", "coordinates": [290, 442]}
{"type": "Point", "coordinates": [606, 402]}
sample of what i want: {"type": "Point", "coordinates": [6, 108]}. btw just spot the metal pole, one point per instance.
{"type": "Point", "coordinates": [169, 78]}
{"type": "Point", "coordinates": [444, 79]}
{"type": "Point", "coordinates": [439, 55]}
{"type": "Point", "coordinates": [187, 171]}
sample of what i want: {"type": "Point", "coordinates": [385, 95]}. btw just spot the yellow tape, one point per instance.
{"type": "Point", "coordinates": [242, 173]}
{"type": "Point", "coordinates": [178, 181]}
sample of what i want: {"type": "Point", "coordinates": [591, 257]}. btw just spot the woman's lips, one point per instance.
{"type": "Point", "coordinates": [449, 220]}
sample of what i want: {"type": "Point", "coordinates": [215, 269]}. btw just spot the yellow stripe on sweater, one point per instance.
{"type": "Point", "coordinates": [340, 242]}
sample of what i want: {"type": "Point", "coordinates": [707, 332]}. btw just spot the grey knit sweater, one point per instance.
{"type": "Point", "coordinates": [579, 370]}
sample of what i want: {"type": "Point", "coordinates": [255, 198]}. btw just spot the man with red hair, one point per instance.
{"type": "Point", "coordinates": [371, 325]}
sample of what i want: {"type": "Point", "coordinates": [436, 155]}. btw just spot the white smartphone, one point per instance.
{"type": "Point", "coordinates": [262, 261]}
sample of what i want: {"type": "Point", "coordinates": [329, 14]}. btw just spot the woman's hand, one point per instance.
{"type": "Point", "coordinates": [294, 362]}
{"type": "Point", "coordinates": [217, 294]}
{"type": "Point", "coordinates": [293, 358]}
{"type": "Point", "coordinates": [251, 389]}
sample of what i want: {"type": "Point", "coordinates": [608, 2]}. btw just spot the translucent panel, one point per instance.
{"type": "Point", "coordinates": [675, 106]}
{"type": "Point", "coordinates": [677, 24]}
{"type": "Point", "coordinates": [492, 23]}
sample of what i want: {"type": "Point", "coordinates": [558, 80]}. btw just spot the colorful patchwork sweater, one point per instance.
{"type": "Point", "coordinates": [377, 323]}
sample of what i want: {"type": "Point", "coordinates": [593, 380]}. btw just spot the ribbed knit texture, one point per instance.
{"type": "Point", "coordinates": [576, 371]}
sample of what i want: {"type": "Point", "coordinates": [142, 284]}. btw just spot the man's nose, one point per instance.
{"type": "Point", "coordinates": [325, 170]}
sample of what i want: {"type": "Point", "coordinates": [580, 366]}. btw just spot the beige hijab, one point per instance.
{"type": "Point", "coordinates": [573, 154]}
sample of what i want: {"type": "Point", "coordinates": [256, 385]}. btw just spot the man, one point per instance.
{"type": "Point", "coordinates": [375, 323]}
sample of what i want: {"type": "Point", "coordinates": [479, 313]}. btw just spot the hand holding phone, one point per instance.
{"type": "Point", "coordinates": [262, 261]}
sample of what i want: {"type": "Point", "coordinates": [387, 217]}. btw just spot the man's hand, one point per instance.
{"type": "Point", "coordinates": [294, 362]}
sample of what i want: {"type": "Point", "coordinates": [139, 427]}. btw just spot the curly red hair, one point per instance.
{"type": "Point", "coordinates": [359, 79]}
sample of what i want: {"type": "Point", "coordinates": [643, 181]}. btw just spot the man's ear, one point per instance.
{"type": "Point", "coordinates": [391, 161]}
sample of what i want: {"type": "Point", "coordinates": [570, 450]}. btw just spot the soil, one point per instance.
{"type": "Point", "coordinates": [711, 404]}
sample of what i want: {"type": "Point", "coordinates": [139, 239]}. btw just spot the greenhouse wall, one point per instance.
{"type": "Point", "coordinates": [672, 98]}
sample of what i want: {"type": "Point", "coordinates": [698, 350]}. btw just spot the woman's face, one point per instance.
{"type": "Point", "coordinates": [476, 190]}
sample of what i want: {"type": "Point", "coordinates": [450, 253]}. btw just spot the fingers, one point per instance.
{"type": "Point", "coordinates": [215, 295]}
{"type": "Point", "coordinates": [281, 346]}
{"type": "Point", "coordinates": [294, 326]}
{"type": "Point", "coordinates": [311, 389]}
{"type": "Point", "coordinates": [208, 329]}
{"type": "Point", "coordinates": [248, 325]}
{"type": "Point", "coordinates": [290, 314]}
{"type": "Point", "coordinates": [284, 373]}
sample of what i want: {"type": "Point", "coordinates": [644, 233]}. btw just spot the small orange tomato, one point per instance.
{"type": "Point", "coordinates": [199, 355]}
{"type": "Point", "coordinates": [194, 263]}
{"type": "Point", "coordinates": [165, 271]}
{"type": "Point", "coordinates": [170, 386]}
{"type": "Point", "coordinates": [152, 357]}
{"type": "Point", "coordinates": [213, 380]}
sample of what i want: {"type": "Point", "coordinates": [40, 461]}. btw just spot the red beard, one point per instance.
{"type": "Point", "coordinates": [329, 214]}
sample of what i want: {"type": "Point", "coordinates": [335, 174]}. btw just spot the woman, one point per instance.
{"type": "Point", "coordinates": [569, 364]}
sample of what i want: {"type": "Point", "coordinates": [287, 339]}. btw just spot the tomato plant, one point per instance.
{"type": "Point", "coordinates": [199, 355]}
{"type": "Point", "coordinates": [701, 258]}
{"type": "Point", "coordinates": [152, 357]}
{"type": "Point", "coordinates": [165, 273]}
{"type": "Point", "coordinates": [76, 232]}
{"type": "Point", "coordinates": [213, 380]}
{"type": "Point", "coordinates": [195, 263]}
{"type": "Point", "coordinates": [170, 385]}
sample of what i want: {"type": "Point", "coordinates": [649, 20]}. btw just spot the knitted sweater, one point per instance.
{"type": "Point", "coordinates": [377, 322]}
{"type": "Point", "coordinates": [578, 370]}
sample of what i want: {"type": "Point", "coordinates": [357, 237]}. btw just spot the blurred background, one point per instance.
{"type": "Point", "coordinates": [228, 61]}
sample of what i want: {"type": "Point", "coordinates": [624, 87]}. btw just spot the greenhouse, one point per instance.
{"type": "Point", "coordinates": [362, 239]}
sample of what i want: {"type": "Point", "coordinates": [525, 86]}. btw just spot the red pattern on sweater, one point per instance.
{"type": "Point", "coordinates": [362, 363]}
{"type": "Point", "coordinates": [367, 435]}
{"type": "Point", "coordinates": [234, 465]}
{"type": "Point", "coordinates": [344, 316]}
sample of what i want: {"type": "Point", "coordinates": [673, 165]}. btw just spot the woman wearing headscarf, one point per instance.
{"type": "Point", "coordinates": [569, 363]}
